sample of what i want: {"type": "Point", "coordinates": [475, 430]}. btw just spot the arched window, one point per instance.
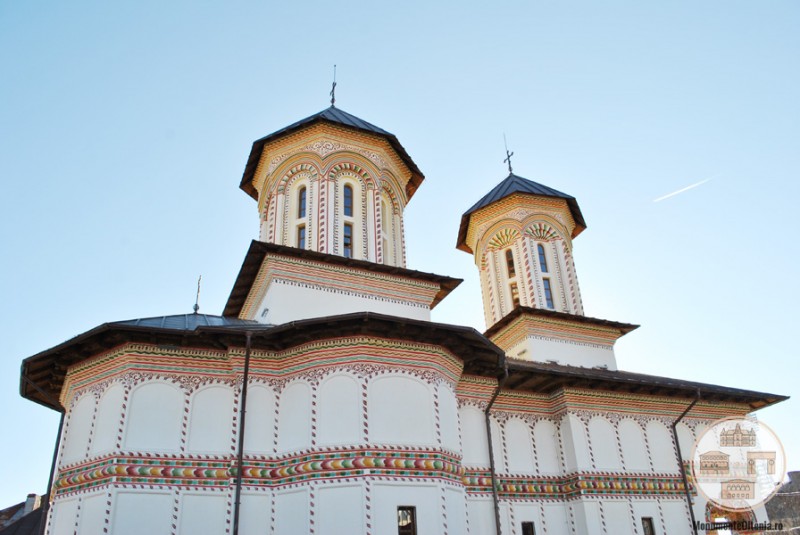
{"type": "Point", "coordinates": [348, 240]}
{"type": "Point", "coordinates": [548, 293]}
{"type": "Point", "coordinates": [348, 201]}
{"type": "Point", "coordinates": [512, 272]}
{"type": "Point", "coordinates": [514, 294]}
{"type": "Point", "coordinates": [542, 257]}
{"type": "Point", "coordinates": [385, 231]}
{"type": "Point", "coordinates": [301, 202]}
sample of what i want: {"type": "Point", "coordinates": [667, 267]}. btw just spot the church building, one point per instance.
{"type": "Point", "coordinates": [324, 400]}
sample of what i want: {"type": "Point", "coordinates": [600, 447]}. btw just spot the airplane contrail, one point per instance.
{"type": "Point", "coordinates": [687, 188]}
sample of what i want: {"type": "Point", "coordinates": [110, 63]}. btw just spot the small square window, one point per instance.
{"type": "Point", "coordinates": [528, 528]}
{"type": "Point", "coordinates": [406, 520]}
{"type": "Point", "coordinates": [647, 526]}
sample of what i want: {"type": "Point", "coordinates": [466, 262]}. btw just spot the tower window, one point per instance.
{"type": "Point", "coordinates": [348, 240]}
{"type": "Point", "coordinates": [301, 203]}
{"type": "Point", "coordinates": [548, 293]}
{"type": "Point", "coordinates": [406, 520]}
{"type": "Point", "coordinates": [528, 528]}
{"type": "Point", "coordinates": [301, 237]}
{"type": "Point", "coordinates": [542, 257]}
{"type": "Point", "coordinates": [514, 294]}
{"type": "Point", "coordinates": [348, 201]}
{"type": "Point", "coordinates": [647, 526]}
{"type": "Point", "coordinates": [512, 272]}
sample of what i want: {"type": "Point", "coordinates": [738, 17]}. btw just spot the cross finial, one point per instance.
{"type": "Point", "coordinates": [508, 156]}
{"type": "Point", "coordinates": [333, 88]}
{"type": "Point", "coordinates": [197, 298]}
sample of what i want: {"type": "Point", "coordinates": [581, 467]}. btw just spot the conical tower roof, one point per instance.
{"type": "Point", "coordinates": [517, 184]}
{"type": "Point", "coordinates": [332, 115]}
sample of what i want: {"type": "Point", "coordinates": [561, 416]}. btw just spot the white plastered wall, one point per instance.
{"type": "Point", "coordinates": [566, 352]}
{"type": "Point", "coordinates": [285, 302]}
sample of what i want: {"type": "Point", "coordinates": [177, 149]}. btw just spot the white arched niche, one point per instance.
{"type": "Point", "coordinates": [473, 436]}
{"type": "Point", "coordinates": [448, 418]}
{"type": "Point", "coordinates": [109, 414]}
{"type": "Point", "coordinates": [400, 410]}
{"type": "Point", "coordinates": [260, 430]}
{"type": "Point", "coordinates": [294, 417]}
{"type": "Point", "coordinates": [519, 447]}
{"type": "Point", "coordinates": [339, 419]}
{"type": "Point", "coordinates": [634, 450]}
{"type": "Point", "coordinates": [661, 447]}
{"type": "Point", "coordinates": [545, 441]}
{"type": "Point", "coordinates": [79, 430]}
{"type": "Point", "coordinates": [604, 444]}
{"type": "Point", "coordinates": [211, 420]}
{"type": "Point", "coordinates": [154, 418]}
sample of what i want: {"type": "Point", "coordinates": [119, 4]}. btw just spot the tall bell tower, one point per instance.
{"type": "Point", "coordinates": [520, 234]}
{"type": "Point", "coordinates": [333, 183]}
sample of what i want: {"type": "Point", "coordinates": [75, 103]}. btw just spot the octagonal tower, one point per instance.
{"type": "Point", "coordinates": [335, 184]}
{"type": "Point", "coordinates": [520, 234]}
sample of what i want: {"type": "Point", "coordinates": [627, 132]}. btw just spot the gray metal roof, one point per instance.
{"type": "Point", "coordinates": [336, 116]}
{"type": "Point", "coordinates": [516, 184]}
{"type": "Point", "coordinates": [333, 115]}
{"type": "Point", "coordinates": [185, 322]}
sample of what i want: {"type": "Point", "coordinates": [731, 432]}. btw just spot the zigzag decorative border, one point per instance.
{"type": "Point", "coordinates": [341, 464]}
{"type": "Point", "coordinates": [574, 485]}
{"type": "Point", "coordinates": [218, 472]}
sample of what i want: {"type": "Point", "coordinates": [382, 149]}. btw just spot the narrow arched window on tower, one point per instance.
{"type": "Point", "coordinates": [514, 294]}
{"type": "Point", "coordinates": [301, 202]}
{"type": "Point", "coordinates": [348, 201]}
{"type": "Point", "coordinates": [542, 257]}
{"type": "Point", "coordinates": [348, 240]}
{"type": "Point", "coordinates": [548, 293]}
{"type": "Point", "coordinates": [385, 233]}
{"type": "Point", "coordinates": [512, 272]}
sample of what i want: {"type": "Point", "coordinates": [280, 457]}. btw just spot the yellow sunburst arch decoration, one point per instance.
{"type": "Point", "coordinates": [541, 232]}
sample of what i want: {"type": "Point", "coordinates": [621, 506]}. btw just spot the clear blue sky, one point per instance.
{"type": "Point", "coordinates": [125, 127]}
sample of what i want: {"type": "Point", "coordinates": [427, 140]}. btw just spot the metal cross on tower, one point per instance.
{"type": "Point", "coordinates": [333, 88]}
{"type": "Point", "coordinates": [508, 156]}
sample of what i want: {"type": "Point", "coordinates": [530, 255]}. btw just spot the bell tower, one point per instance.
{"type": "Point", "coordinates": [335, 184]}
{"type": "Point", "coordinates": [520, 234]}
{"type": "Point", "coordinates": [331, 190]}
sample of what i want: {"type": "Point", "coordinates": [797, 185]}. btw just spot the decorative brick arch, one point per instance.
{"type": "Point", "coordinates": [502, 239]}
{"type": "Point", "coordinates": [289, 175]}
{"type": "Point", "coordinates": [360, 171]}
{"type": "Point", "coordinates": [542, 231]}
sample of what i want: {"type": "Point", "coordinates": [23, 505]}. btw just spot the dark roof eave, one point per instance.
{"type": "Point", "coordinates": [479, 353]}
{"type": "Point", "coordinates": [258, 251]}
{"type": "Point", "coordinates": [623, 328]}
{"type": "Point", "coordinates": [572, 203]}
{"type": "Point", "coordinates": [655, 385]}
{"type": "Point", "coordinates": [256, 150]}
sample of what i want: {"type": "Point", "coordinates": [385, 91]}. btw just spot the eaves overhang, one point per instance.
{"type": "Point", "coordinates": [545, 377]}
{"type": "Point", "coordinates": [517, 185]}
{"type": "Point", "coordinates": [258, 251]}
{"type": "Point", "coordinates": [623, 328]}
{"type": "Point", "coordinates": [340, 118]}
{"type": "Point", "coordinates": [42, 375]}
